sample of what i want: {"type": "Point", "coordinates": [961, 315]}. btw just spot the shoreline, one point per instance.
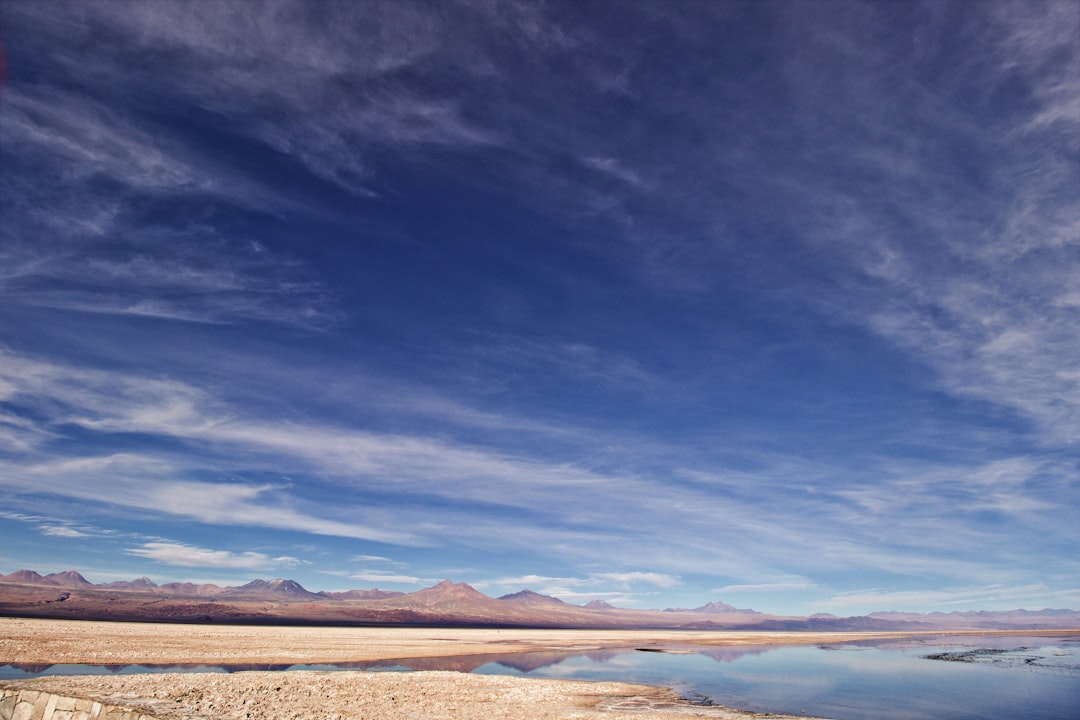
{"type": "Point", "coordinates": [34, 641]}
{"type": "Point", "coordinates": [378, 695]}
{"type": "Point", "coordinates": [348, 695]}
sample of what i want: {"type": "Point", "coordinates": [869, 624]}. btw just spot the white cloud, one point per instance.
{"type": "Point", "coordinates": [594, 586]}
{"type": "Point", "coordinates": [184, 271]}
{"type": "Point", "coordinates": [191, 274]}
{"type": "Point", "coordinates": [114, 402]}
{"type": "Point", "coordinates": [149, 483]}
{"type": "Point", "coordinates": [85, 139]}
{"type": "Point", "coordinates": [999, 597]}
{"type": "Point", "coordinates": [375, 559]}
{"type": "Point", "coordinates": [533, 580]}
{"type": "Point", "coordinates": [1039, 40]}
{"type": "Point", "coordinates": [374, 576]}
{"type": "Point", "coordinates": [62, 531]}
{"type": "Point", "coordinates": [766, 587]}
{"type": "Point", "coordinates": [960, 265]}
{"type": "Point", "coordinates": [18, 434]}
{"type": "Point", "coordinates": [192, 556]}
{"type": "Point", "coordinates": [57, 527]}
{"type": "Point", "coordinates": [613, 167]}
{"type": "Point", "coordinates": [22, 517]}
{"type": "Point", "coordinates": [276, 73]}
{"type": "Point", "coordinates": [721, 528]}
{"type": "Point", "coordinates": [956, 247]}
{"type": "Point", "coordinates": [288, 561]}
{"type": "Point", "coordinates": [663, 580]}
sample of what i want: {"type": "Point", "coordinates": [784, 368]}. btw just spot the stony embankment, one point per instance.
{"type": "Point", "coordinates": [26, 704]}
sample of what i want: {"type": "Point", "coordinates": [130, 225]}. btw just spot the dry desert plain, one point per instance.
{"type": "Point", "coordinates": [361, 695]}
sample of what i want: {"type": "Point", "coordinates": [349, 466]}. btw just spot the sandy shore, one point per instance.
{"type": "Point", "coordinates": [378, 696]}
{"type": "Point", "coordinates": [356, 695]}
{"type": "Point", "coordinates": [74, 641]}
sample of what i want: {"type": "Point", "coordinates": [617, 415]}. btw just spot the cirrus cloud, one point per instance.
{"type": "Point", "coordinates": [183, 555]}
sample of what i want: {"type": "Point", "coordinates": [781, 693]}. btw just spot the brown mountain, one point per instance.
{"type": "Point", "coordinates": [449, 597]}
{"type": "Point", "coordinates": [69, 579]}
{"type": "Point", "coordinates": [528, 597]}
{"type": "Point", "coordinates": [373, 594]}
{"type": "Point", "coordinates": [26, 593]}
{"type": "Point", "coordinates": [28, 577]}
{"type": "Point", "coordinates": [143, 583]}
{"type": "Point", "coordinates": [715, 608]}
{"type": "Point", "coordinates": [188, 589]}
{"type": "Point", "coordinates": [599, 605]}
{"type": "Point", "coordinates": [272, 589]}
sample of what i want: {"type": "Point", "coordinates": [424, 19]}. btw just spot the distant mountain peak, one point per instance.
{"type": "Point", "coordinates": [278, 588]}
{"type": "Point", "coordinates": [715, 608]}
{"type": "Point", "coordinates": [29, 577]}
{"type": "Point", "coordinates": [446, 587]}
{"type": "Point", "coordinates": [286, 601]}
{"type": "Point", "coordinates": [448, 594]}
{"type": "Point", "coordinates": [143, 583]}
{"type": "Point", "coordinates": [529, 597]}
{"type": "Point", "coordinates": [461, 586]}
{"type": "Point", "coordinates": [69, 579]}
{"type": "Point", "coordinates": [599, 605]}
{"type": "Point", "coordinates": [372, 594]}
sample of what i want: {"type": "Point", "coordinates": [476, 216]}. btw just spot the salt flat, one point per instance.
{"type": "Point", "coordinates": [34, 641]}
{"type": "Point", "coordinates": [346, 694]}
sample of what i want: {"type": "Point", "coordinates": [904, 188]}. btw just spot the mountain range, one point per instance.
{"type": "Point", "coordinates": [26, 593]}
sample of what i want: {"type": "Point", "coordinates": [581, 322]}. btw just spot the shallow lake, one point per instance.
{"type": "Point", "coordinates": [944, 678]}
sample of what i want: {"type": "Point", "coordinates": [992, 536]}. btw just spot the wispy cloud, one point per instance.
{"type": "Point", "coordinates": [81, 139]}
{"type": "Point", "coordinates": [577, 361]}
{"type": "Point", "coordinates": [286, 88]}
{"type": "Point", "coordinates": [62, 531]}
{"type": "Point", "coordinates": [435, 473]}
{"type": "Point", "coordinates": [998, 597]}
{"type": "Point", "coordinates": [153, 484]}
{"type": "Point", "coordinates": [781, 587]}
{"type": "Point", "coordinates": [17, 434]}
{"type": "Point", "coordinates": [626, 579]}
{"type": "Point", "coordinates": [373, 558]}
{"type": "Point", "coordinates": [288, 561]}
{"type": "Point", "coordinates": [625, 588]}
{"type": "Point", "coordinates": [54, 527]}
{"type": "Point", "coordinates": [102, 255]}
{"type": "Point", "coordinates": [802, 307]}
{"type": "Point", "coordinates": [375, 576]}
{"type": "Point", "coordinates": [969, 274]}
{"type": "Point", "coordinates": [611, 166]}
{"type": "Point", "coordinates": [192, 556]}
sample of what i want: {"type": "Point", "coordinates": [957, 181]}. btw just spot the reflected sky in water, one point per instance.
{"type": "Point", "coordinates": [983, 678]}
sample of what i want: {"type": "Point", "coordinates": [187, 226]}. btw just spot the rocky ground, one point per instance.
{"type": "Point", "coordinates": [378, 696]}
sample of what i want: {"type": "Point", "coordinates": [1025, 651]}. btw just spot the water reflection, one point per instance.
{"type": "Point", "coordinates": [524, 663]}
{"type": "Point", "coordinates": [1000, 678]}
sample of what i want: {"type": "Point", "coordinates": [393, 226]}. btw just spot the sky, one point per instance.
{"type": "Point", "coordinates": [658, 303]}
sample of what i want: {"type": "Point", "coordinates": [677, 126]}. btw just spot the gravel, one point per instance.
{"type": "Point", "coordinates": [346, 695]}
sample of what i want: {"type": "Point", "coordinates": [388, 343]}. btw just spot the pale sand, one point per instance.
{"type": "Point", "coordinates": [75, 641]}
{"type": "Point", "coordinates": [350, 695]}
{"type": "Point", "coordinates": [359, 695]}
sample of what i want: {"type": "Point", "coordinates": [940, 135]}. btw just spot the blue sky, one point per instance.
{"type": "Point", "coordinates": [651, 302]}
